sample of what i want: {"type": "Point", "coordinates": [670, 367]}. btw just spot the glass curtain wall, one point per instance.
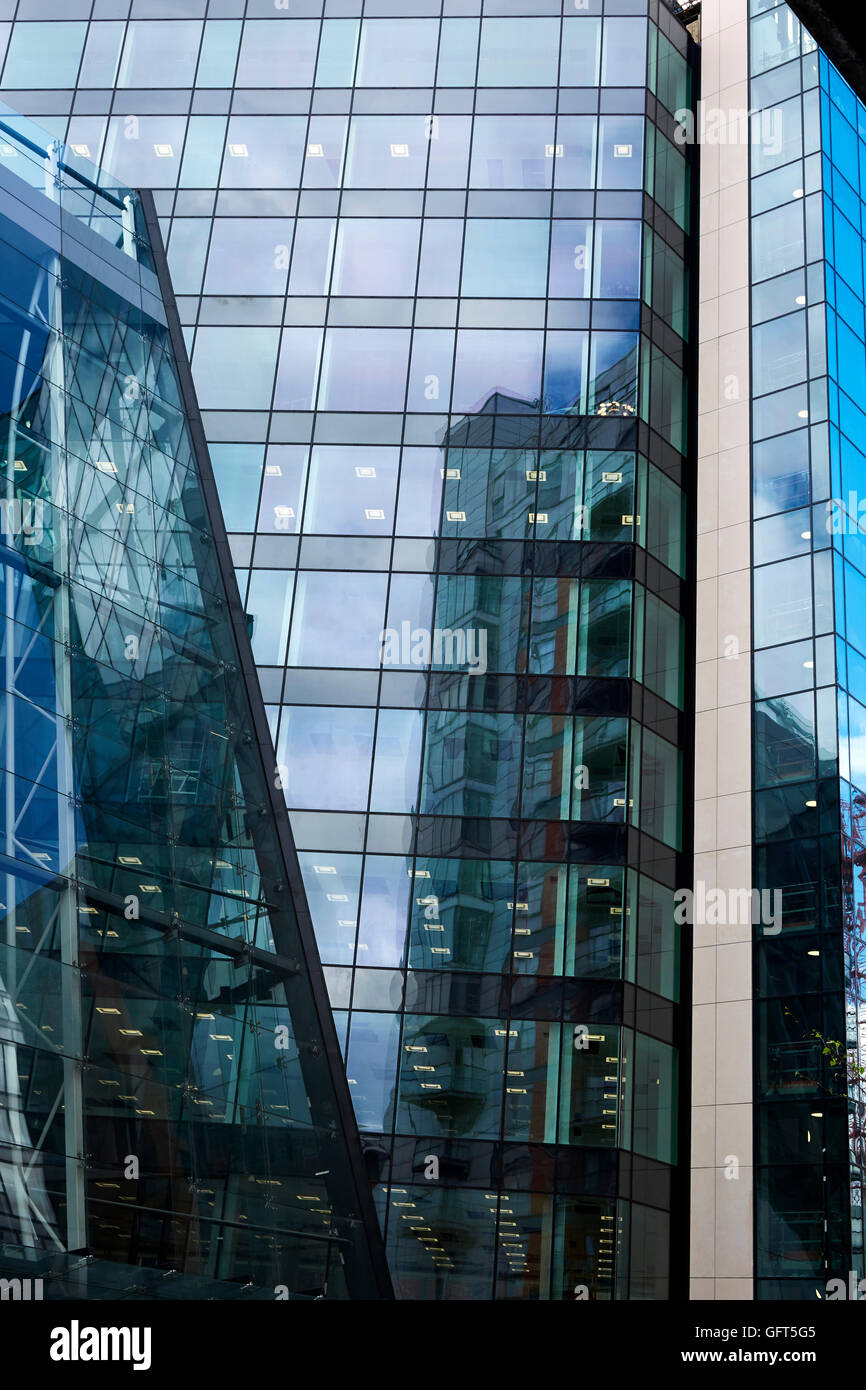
{"type": "Point", "coordinates": [432, 265]}
{"type": "Point", "coordinates": [169, 1123]}
{"type": "Point", "coordinates": [807, 384]}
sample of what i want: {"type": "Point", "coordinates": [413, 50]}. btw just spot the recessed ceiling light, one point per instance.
{"type": "Point", "coordinates": [8, 151]}
{"type": "Point", "coordinates": [803, 414]}
{"type": "Point", "coordinates": [128, 859]}
{"type": "Point", "coordinates": [811, 803]}
{"type": "Point", "coordinates": [809, 665]}
{"type": "Point", "coordinates": [163, 151]}
{"type": "Point", "coordinates": [806, 535]}
{"type": "Point", "coordinates": [798, 192]}
{"type": "Point", "coordinates": [238, 151]}
{"type": "Point", "coordinates": [399, 151]}
{"type": "Point", "coordinates": [83, 150]}
{"type": "Point", "coordinates": [316, 151]}
{"type": "Point", "coordinates": [273, 470]}
{"type": "Point", "coordinates": [801, 299]}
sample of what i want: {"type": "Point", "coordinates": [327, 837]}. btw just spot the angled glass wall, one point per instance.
{"type": "Point", "coordinates": [171, 1122]}
{"type": "Point", "coordinates": [431, 260]}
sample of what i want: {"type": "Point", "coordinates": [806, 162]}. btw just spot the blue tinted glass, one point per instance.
{"type": "Point", "coordinates": [620, 159]}
{"type": "Point", "coordinates": [326, 755]}
{"type": "Point", "coordinates": [298, 371]}
{"type": "Point", "coordinates": [617, 260]}
{"type": "Point", "coordinates": [219, 51]}
{"type": "Point", "coordinates": [507, 257]}
{"type": "Point", "coordinates": [351, 491]}
{"type": "Point", "coordinates": [364, 369]}
{"type": "Point", "coordinates": [44, 55]}
{"type": "Point", "coordinates": [234, 367]}
{"type": "Point", "coordinates": [238, 472]}
{"type": "Point", "coordinates": [386, 152]}
{"type": "Point", "coordinates": [565, 372]}
{"type": "Point", "coordinates": [148, 61]}
{"type": "Point", "coordinates": [248, 256]}
{"type": "Point", "coordinates": [145, 151]}
{"type": "Point", "coordinates": [421, 486]}
{"type": "Point", "coordinates": [448, 138]}
{"type": "Point", "coordinates": [263, 152]}
{"type": "Point", "coordinates": [397, 762]}
{"type": "Point", "coordinates": [371, 1065]}
{"type": "Point", "coordinates": [581, 47]}
{"type": "Point", "coordinates": [441, 247]}
{"type": "Point", "coordinates": [430, 369]}
{"type": "Point", "coordinates": [202, 151]}
{"type": "Point", "coordinates": [571, 259]}
{"type": "Point", "coordinates": [376, 255]}
{"type": "Point", "coordinates": [458, 47]}
{"type": "Point", "coordinates": [337, 48]}
{"type": "Point", "coordinates": [338, 619]}
{"type": "Point", "coordinates": [504, 364]}
{"type": "Point", "coordinates": [278, 52]}
{"type": "Point", "coordinates": [519, 53]}
{"type": "Point", "coordinates": [325, 151]}
{"type": "Point", "coordinates": [624, 56]}
{"type": "Point", "coordinates": [269, 604]}
{"type": "Point", "coordinates": [283, 488]}
{"type": "Point", "coordinates": [576, 138]}
{"type": "Point", "coordinates": [397, 52]}
{"type": "Point", "coordinates": [312, 250]}
{"type": "Point", "coordinates": [187, 250]}
{"type": "Point", "coordinates": [384, 910]}
{"type": "Point", "coordinates": [333, 902]}
{"type": "Point", "coordinates": [512, 152]}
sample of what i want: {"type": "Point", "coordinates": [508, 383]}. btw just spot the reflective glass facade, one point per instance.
{"type": "Point", "coordinates": [431, 260]}
{"type": "Point", "coordinates": [808, 206]}
{"type": "Point", "coordinates": [174, 1119]}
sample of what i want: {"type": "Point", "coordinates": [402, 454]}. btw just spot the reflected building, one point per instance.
{"type": "Point", "coordinates": [174, 1116]}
